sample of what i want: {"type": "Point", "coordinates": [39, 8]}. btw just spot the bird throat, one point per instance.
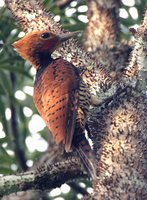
{"type": "Point", "coordinates": [42, 60]}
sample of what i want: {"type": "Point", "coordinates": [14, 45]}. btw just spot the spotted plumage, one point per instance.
{"type": "Point", "coordinates": [60, 95]}
{"type": "Point", "coordinates": [58, 101]}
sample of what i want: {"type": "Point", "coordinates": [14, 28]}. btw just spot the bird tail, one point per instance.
{"type": "Point", "coordinates": [86, 155]}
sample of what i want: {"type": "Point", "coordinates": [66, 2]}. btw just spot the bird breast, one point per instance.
{"type": "Point", "coordinates": [54, 90]}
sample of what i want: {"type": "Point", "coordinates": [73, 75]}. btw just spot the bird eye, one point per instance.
{"type": "Point", "coordinates": [45, 35]}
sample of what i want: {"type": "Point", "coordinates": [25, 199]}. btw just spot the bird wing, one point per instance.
{"type": "Point", "coordinates": [59, 100]}
{"type": "Point", "coordinates": [71, 120]}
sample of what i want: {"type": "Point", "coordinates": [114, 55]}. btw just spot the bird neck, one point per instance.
{"type": "Point", "coordinates": [42, 63]}
{"type": "Point", "coordinates": [41, 60]}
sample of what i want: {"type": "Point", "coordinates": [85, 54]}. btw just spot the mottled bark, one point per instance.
{"type": "Point", "coordinates": [102, 37]}
{"type": "Point", "coordinates": [103, 27]}
{"type": "Point", "coordinates": [45, 177]}
{"type": "Point", "coordinates": [120, 127]}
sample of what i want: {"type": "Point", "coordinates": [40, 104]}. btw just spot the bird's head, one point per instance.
{"type": "Point", "coordinates": [37, 47]}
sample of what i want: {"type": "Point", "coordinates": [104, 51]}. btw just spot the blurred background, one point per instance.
{"type": "Point", "coordinates": [23, 135]}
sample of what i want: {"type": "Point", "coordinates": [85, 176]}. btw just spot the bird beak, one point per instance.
{"type": "Point", "coordinates": [65, 36]}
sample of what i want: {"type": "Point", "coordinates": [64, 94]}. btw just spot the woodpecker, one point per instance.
{"type": "Point", "coordinates": [60, 95]}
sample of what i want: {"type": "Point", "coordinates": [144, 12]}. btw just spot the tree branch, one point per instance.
{"type": "Point", "coordinates": [103, 28]}
{"type": "Point", "coordinates": [118, 128]}
{"type": "Point", "coordinates": [135, 71]}
{"type": "Point", "coordinates": [101, 38]}
{"type": "Point", "coordinates": [45, 177]}
{"type": "Point", "coordinates": [27, 195]}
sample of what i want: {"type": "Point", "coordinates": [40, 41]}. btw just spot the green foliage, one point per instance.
{"type": "Point", "coordinates": [15, 73]}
